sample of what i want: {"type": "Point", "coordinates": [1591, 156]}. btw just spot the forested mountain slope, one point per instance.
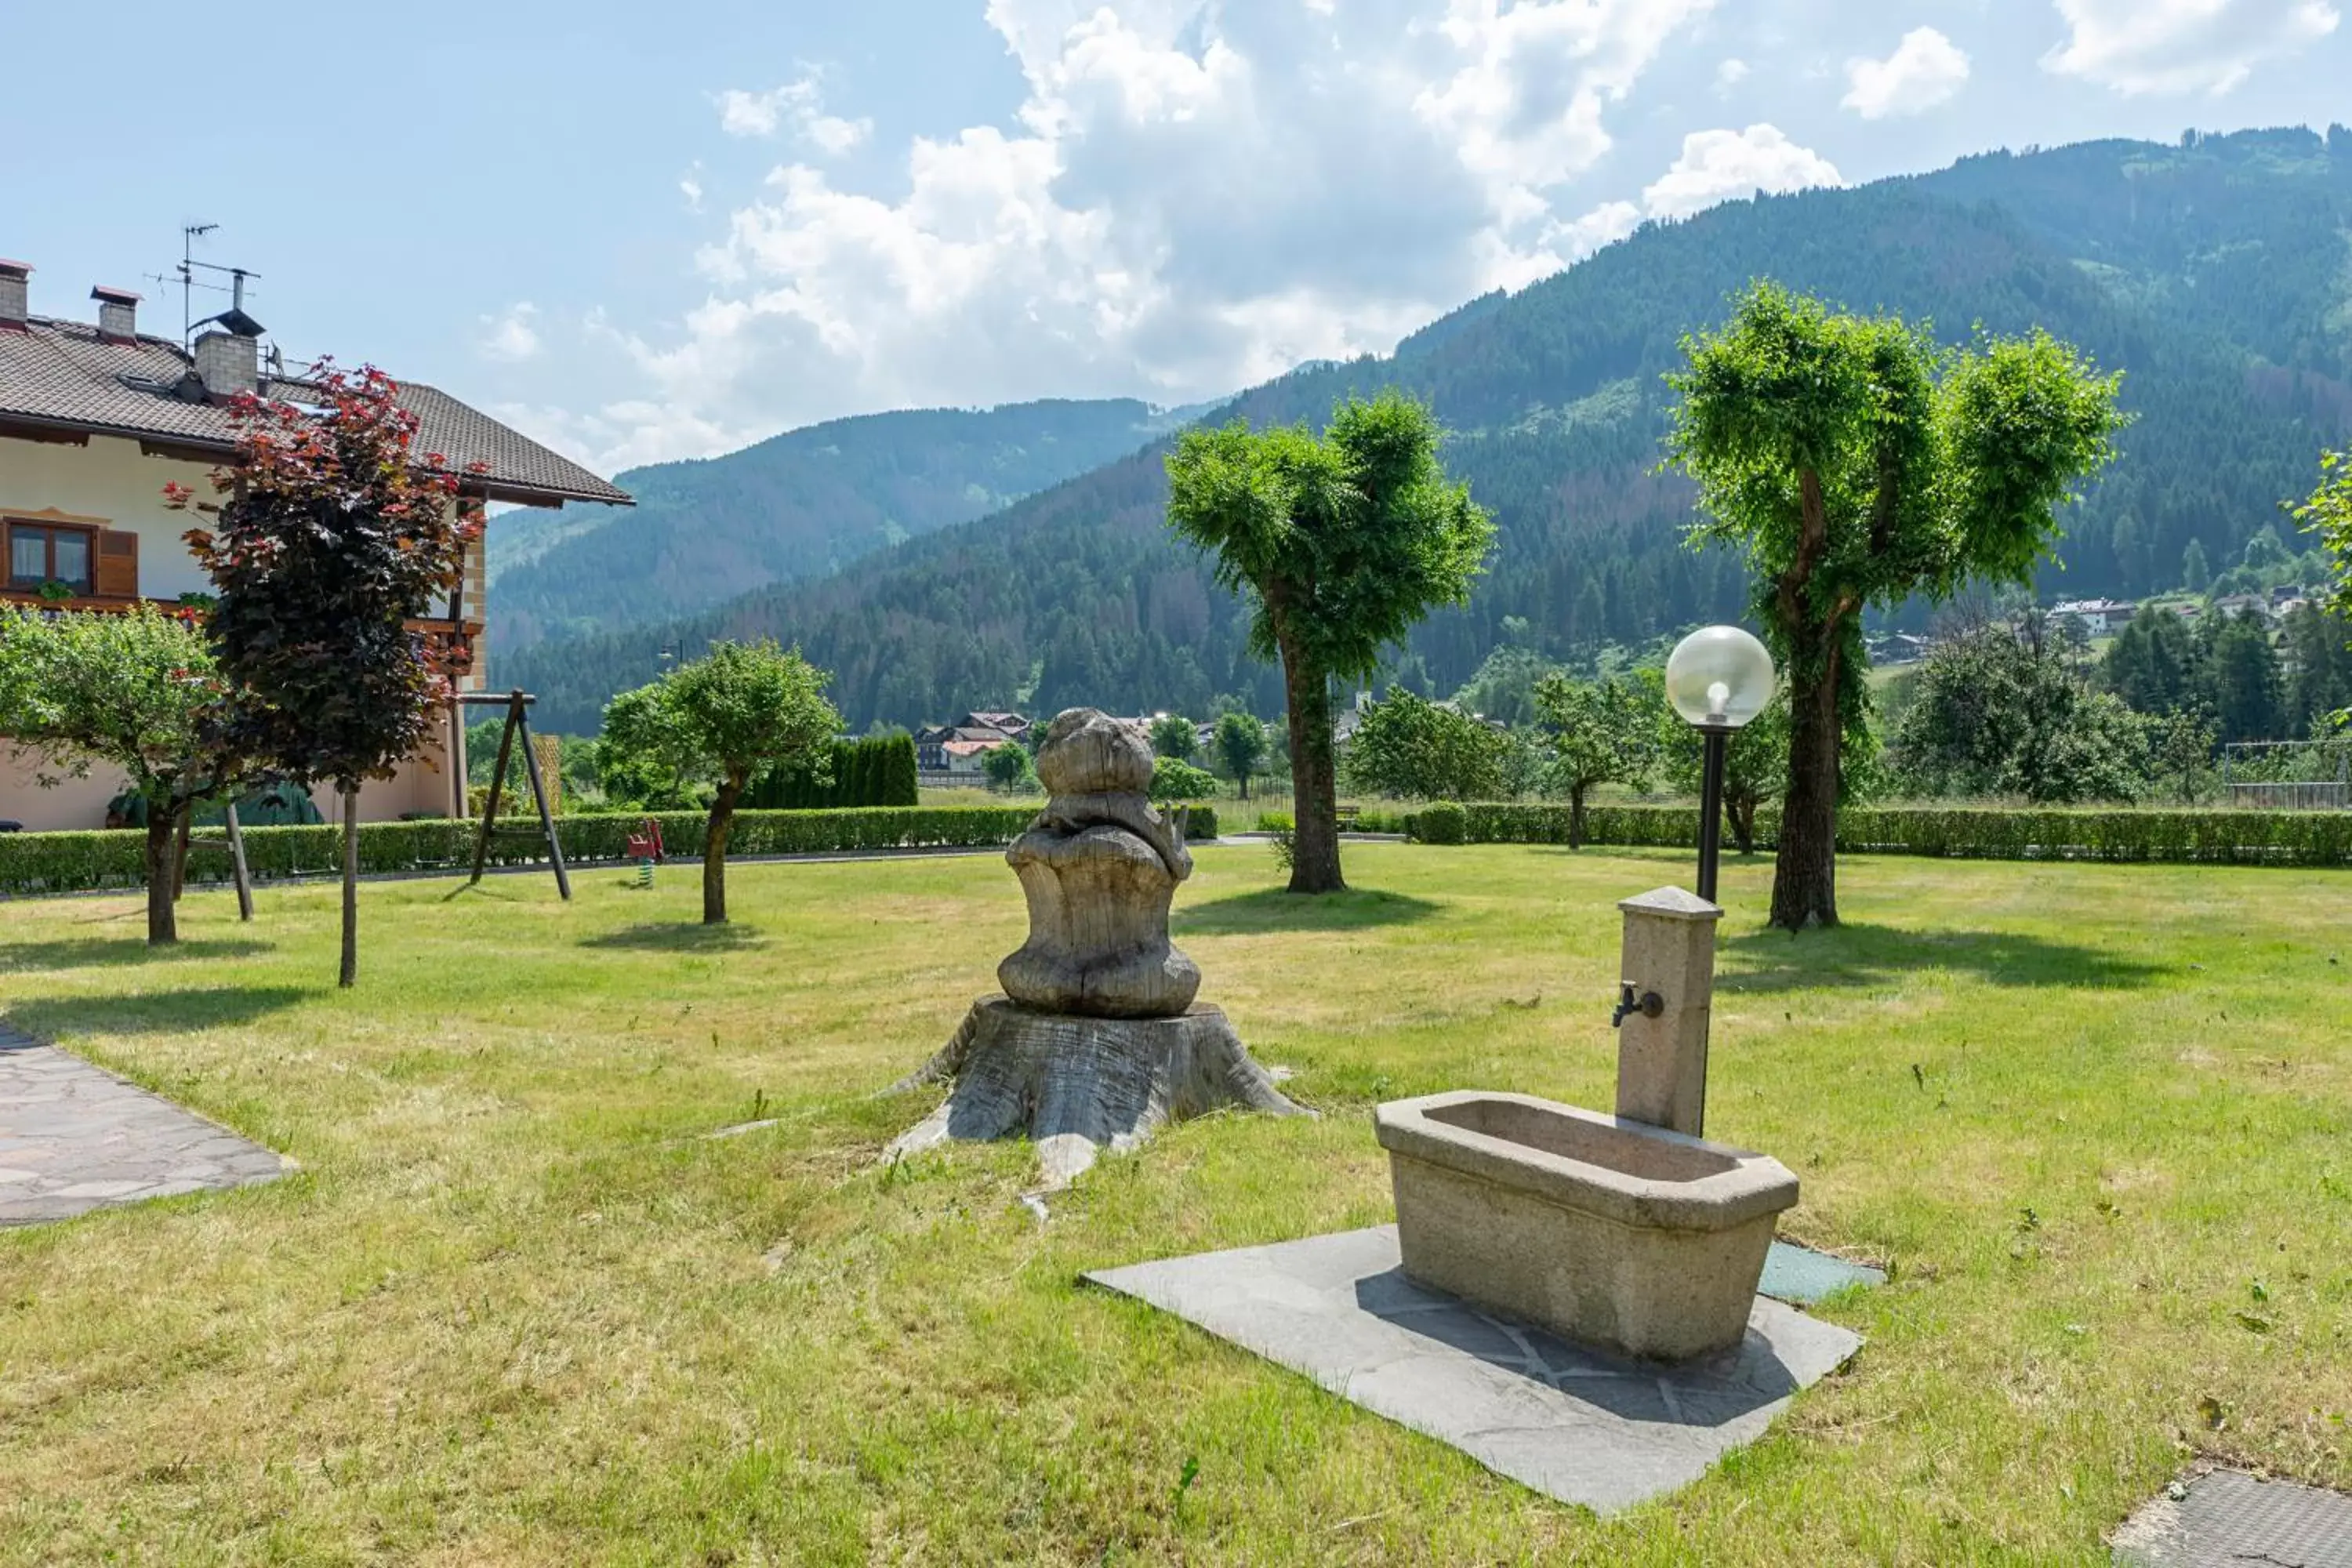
{"type": "Point", "coordinates": [2216, 273]}
{"type": "Point", "coordinates": [797, 505]}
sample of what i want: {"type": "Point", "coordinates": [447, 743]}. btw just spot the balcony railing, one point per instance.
{"type": "Point", "coordinates": [450, 644]}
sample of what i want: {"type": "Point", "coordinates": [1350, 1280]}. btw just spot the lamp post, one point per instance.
{"type": "Point", "coordinates": [1717, 679]}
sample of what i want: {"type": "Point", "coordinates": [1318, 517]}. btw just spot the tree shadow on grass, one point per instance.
{"type": "Point", "coordinates": [1272, 910]}
{"type": "Point", "coordinates": [151, 1013]}
{"type": "Point", "coordinates": [1855, 955]}
{"type": "Point", "coordinates": [91, 951]}
{"type": "Point", "coordinates": [678, 938]}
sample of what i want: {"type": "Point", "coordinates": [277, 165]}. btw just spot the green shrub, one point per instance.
{"type": "Point", "coordinates": [1274, 822]}
{"type": "Point", "coordinates": [1442, 821]}
{"type": "Point", "coordinates": [1199, 822]}
{"type": "Point", "coordinates": [1172, 779]}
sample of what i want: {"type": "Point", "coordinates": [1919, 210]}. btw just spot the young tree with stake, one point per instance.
{"type": "Point", "coordinates": [1341, 542]}
{"type": "Point", "coordinates": [137, 691]}
{"type": "Point", "coordinates": [1855, 462]}
{"type": "Point", "coordinates": [335, 534]}
{"type": "Point", "coordinates": [738, 711]}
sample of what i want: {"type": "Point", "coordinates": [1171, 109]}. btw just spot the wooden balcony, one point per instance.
{"type": "Point", "coordinates": [448, 644]}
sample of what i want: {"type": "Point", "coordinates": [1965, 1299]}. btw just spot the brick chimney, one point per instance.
{"type": "Point", "coordinates": [118, 314]}
{"type": "Point", "coordinates": [14, 305]}
{"type": "Point", "coordinates": [229, 362]}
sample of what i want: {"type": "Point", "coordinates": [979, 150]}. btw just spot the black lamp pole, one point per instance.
{"type": "Point", "coordinates": [1710, 806]}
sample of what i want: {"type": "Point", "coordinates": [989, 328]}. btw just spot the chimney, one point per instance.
{"type": "Point", "coordinates": [229, 362]}
{"type": "Point", "coordinates": [14, 303]}
{"type": "Point", "coordinates": [118, 314]}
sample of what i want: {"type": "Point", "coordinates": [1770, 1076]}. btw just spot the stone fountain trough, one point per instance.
{"type": "Point", "coordinates": [1603, 1230]}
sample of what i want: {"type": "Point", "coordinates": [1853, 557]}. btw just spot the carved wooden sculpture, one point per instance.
{"type": "Point", "coordinates": [1096, 1039]}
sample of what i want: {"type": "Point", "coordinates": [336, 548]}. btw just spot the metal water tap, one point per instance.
{"type": "Point", "coordinates": [1649, 1003]}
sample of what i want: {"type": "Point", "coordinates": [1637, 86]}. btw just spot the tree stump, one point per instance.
{"type": "Point", "coordinates": [1079, 1085]}
{"type": "Point", "coordinates": [1098, 1039]}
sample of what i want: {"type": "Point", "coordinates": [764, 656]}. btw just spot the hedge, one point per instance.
{"type": "Point", "coordinates": [75, 862]}
{"type": "Point", "coordinates": [878, 769]}
{"type": "Point", "coordinates": [2220, 836]}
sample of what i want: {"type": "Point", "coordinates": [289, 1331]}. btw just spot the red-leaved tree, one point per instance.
{"type": "Point", "coordinates": [335, 534]}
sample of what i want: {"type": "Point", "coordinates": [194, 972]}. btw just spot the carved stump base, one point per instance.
{"type": "Point", "coordinates": [1079, 1084]}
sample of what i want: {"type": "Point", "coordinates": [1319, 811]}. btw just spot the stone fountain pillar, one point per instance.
{"type": "Point", "coordinates": [1096, 1038]}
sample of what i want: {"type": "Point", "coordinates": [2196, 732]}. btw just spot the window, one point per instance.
{"type": "Point", "coordinates": [39, 554]}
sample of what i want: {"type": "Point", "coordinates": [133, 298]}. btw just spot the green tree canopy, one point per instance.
{"type": "Point", "coordinates": [1602, 732]}
{"type": "Point", "coordinates": [1855, 462]}
{"type": "Point", "coordinates": [1407, 745]}
{"type": "Point", "coordinates": [1340, 543]}
{"type": "Point", "coordinates": [1009, 768]}
{"type": "Point", "coordinates": [139, 692]}
{"type": "Point", "coordinates": [2000, 713]}
{"type": "Point", "coordinates": [1173, 735]}
{"type": "Point", "coordinates": [1172, 778]}
{"type": "Point", "coordinates": [738, 711]}
{"type": "Point", "coordinates": [1241, 747]}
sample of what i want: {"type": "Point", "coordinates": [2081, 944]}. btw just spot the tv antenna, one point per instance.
{"type": "Point", "coordinates": [185, 275]}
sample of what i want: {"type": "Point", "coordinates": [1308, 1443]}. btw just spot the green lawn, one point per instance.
{"type": "Point", "coordinates": [516, 1309]}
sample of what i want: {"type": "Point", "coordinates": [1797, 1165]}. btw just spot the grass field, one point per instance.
{"type": "Point", "coordinates": [516, 1309]}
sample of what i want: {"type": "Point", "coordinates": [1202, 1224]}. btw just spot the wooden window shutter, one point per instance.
{"type": "Point", "coordinates": [118, 564]}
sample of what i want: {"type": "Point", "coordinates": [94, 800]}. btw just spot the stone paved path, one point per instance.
{"type": "Point", "coordinates": [74, 1138]}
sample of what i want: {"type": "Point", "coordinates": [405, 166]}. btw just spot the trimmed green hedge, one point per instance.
{"type": "Point", "coordinates": [75, 862]}
{"type": "Point", "coordinates": [71, 862]}
{"type": "Point", "coordinates": [2222, 837]}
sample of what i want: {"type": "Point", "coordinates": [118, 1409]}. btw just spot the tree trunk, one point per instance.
{"type": "Point", "coordinates": [714, 853]}
{"type": "Point", "coordinates": [1079, 1085]}
{"type": "Point", "coordinates": [350, 975]}
{"type": "Point", "coordinates": [1804, 877]}
{"type": "Point", "coordinates": [1315, 802]}
{"type": "Point", "coordinates": [1576, 817]}
{"type": "Point", "coordinates": [1742, 816]}
{"type": "Point", "coordinates": [163, 873]}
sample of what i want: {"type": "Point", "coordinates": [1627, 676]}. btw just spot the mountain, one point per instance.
{"type": "Point", "coordinates": [798, 505]}
{"type": "Point", "coordinates": [2216, 273]}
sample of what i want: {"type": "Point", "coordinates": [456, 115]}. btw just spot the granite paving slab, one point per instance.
{"type": "Point", "coordinates": [2227, 1519]}
{"type": "Point", "coordinates": [1570, 1422]}
{"type": "Point", "coordinates": [73, 1137]}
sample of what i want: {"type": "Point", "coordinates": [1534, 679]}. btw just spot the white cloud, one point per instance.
{"type": "Point", "coordinates": [2182, 46]}
{"type": "Point", "coordinates": [509, 337]}
{"type": "Point", "coordinates": [690, 185]}
{"type": "Point", "coordinates": [1730, 74]}
{"type": "Point", "coordinates": [1925, 69]}
{"type": "Point", "coordinates": [1189, 198]}
{"type": "Point", "coordinates": [1716, 165]}
{"type": "Point", "coordinates": [797, 107]}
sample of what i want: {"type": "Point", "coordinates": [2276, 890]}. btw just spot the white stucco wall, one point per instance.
{"type": "Point", "coordinates": [110, 481]}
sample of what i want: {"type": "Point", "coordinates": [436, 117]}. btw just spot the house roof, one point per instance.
{"type": "Point", "coordinates": [62, 376]}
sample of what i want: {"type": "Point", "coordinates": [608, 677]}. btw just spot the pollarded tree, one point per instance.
{"type": "Point", "coordinates": [335, 535]}
{"type": "Point", "coordinates": [738, 711]}
{"type": "Point", "coordinates": [1341, 542]}
{"type": "Point", "coordinates": [137, 691]}
{"type": "Point", "coordinates": [1856, 462]}
{"type": "Point", "coordinates": [1603, 732]}
{"type": "Point", "coordinates": [1241, 746]}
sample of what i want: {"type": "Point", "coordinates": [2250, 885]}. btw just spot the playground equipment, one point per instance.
{"type": "Point", "coordinates": [646, 848]}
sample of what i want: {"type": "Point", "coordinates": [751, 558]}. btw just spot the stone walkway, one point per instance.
{"type": "Point", "coordinates": [74, 1138]}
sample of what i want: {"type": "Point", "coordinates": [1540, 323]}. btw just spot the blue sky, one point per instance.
{"type": "Point", "coordinates": [658, 231]}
